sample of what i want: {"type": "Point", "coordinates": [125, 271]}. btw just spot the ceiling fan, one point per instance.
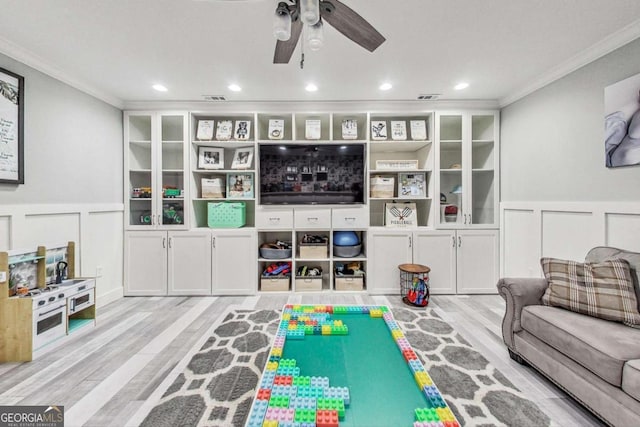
{"type": "Point", "coordinates": [289, 20]}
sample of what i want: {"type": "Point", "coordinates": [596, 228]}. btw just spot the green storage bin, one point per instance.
{"type": "Point", "coordinates": [226, 214]}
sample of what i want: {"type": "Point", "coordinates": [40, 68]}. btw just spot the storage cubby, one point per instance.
{"type": "Point", "coordinates": [310, 283]}
{"type": "Point", "coordinates": [217, 119]}
{"type": "Point", "coordinates": [349, 282]}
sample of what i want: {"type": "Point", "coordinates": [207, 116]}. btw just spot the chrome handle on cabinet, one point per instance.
{"type": "Point", "coordinates": [170, 242]}
{"type": "Point", "coordinates": [465, 218]}
{"type": "Point", "coordinates": [213, 242]}
{"type": "Point", "coordinates": [349, 219]}
{"type": "Point", "coordinates": [312, 219]}
{"type": "Point", "coordinates": [453, 241]}
{"type": "Point", "coordinates": [164, 242]}
{"type": "Point", "coordinates": [410, 242]}
{"type": "Point", "coordinates": [459, 241]}
{"type": "Point", "coordinates": [274, 219]}
{"type": "Point", "coordinates": [470, 222]}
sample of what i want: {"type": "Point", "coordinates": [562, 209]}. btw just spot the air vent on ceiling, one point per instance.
{"type": "Point", "coordinates": [214, 98]}
{"type": "Point", "coordinates": [429, 96]}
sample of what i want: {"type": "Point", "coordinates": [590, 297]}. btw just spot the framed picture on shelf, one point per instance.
{"type": "Point", "coordinates": [378, 130]}
{"type": "Point", "coordinates": [11, 127]}
{"type": "Point", "coordinates": [242, 158]}
{"type": "Point", "coordinates": [239, 185]}
{"type": "Point", "coordinates": [243, 130]}
{"type": "Point", "coordinates": [349, 129]}
{"type": "Point", "coordinates": [210, 158]}
{"type": "Point", "coordinates": [205, 130]}
{"type": "Point", "coordinates": [276, 129]}
{"type": "Point", "coordinates": [411, 185]}
{"type": "Point", "coordinates": [418, 130]}
{"type": "Point", "coordinates": [398, 130]}
{"type": "Point", "coordinates": [312, 129]}
{"type": "Point", "coordinates": [224, 130]}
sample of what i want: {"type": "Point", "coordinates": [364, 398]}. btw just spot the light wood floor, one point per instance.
{"type": "Point", "coordinates": [112, 375]}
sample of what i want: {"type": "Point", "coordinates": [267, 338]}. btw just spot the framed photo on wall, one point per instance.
{"type": "Point", "coordinates": [11, 127]}
{"type": "Point", "coordinates": [210, 158]}
{"type": "Point", "coordinates": [622, 123]}
{"type": "Point", "coordinates": [242, 158]}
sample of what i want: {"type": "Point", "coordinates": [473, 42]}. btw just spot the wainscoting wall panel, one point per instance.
{"type": "Point", "coordinates": [96, 229]}
{"type": "Point", "coordinates": [531, 230]}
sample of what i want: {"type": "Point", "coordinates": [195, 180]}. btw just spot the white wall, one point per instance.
{"type": "Point", "coordinates": [552, 141]}
{"type": "Point", "coordinates": [73, 179]}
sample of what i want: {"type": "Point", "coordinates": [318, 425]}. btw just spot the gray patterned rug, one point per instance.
{"type": "Point", "coordinates": [219, 382]}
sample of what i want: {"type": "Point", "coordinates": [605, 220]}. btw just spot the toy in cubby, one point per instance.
{"type": "Point", "coordinates": [278, 269]}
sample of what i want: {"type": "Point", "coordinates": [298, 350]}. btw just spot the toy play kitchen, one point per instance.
{"type": "Point", "coordinates": [41, 301]}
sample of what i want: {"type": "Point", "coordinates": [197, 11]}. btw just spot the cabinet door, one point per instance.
{"type": "Point", "coordinates": [172, 185]}
{"type": "Point", "coordinates": [145, 259]}
{"type": "Point", "coordinates": [139, 164]}
{"type": "Point", "coordinates": [387, 249]}
{"type": "Point", "coordinates": [451, 164]}
{"type": "Point", "coordinates": [234, 262]}
{"type": "Point", "coordinates": [437, 250]}
{"type": "Point", "coordinates": [189, 262]}
{"type": "Point", "coordinates": [483, 160]}
{"type": "Point", "coordinates": [477, 270]}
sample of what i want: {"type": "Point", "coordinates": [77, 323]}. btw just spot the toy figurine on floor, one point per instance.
{"type": "Point", "coordinates": [419, 293]}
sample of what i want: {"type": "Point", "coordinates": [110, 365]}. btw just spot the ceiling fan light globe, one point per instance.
{"type": "Point", "coordinates": [315, 36]}
{"type": "Point", "coordinates": [282, 26]}
{"type": "Point", "coordinates": [310, 11]}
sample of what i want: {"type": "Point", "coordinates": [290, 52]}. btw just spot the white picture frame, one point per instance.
{"type": "Point", "coordinates": [378, 130]}
{"type": "Point", "coordinates": [224, 130]}
{"type": "Point", "coordinates": [349, 129]}
{"type": "Point", "coordinates": [276, 129]}
{"type": "Point", "coordinates": [398, 130]}
{"type": "Point", "coordinates": [210, 158]}
{"type": "Point", "coordinates": [418, 130]}
{"type": "Point", "coordinates": [411, 185]}
{"type": "Point", "coordinates": [242, 130]}
{"type": "Point", "coordinates": [313, 129]}
{"type": "Point", "coordinates": [242, 158]}
{"type": "Point", "coordinates": [205, 130]}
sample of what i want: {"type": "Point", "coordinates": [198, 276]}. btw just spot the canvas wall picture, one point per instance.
{"type": "Point", "coordinates": [622, 123]}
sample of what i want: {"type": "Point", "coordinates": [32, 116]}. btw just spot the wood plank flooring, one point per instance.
{"type": "Point", "coordinates": [112, 375]}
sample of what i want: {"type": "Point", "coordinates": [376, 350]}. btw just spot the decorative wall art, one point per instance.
{"type": "Point", "coordinates": [205, 130]}
{"type": "Point", "coordinates": [243, 130]}
{"type": "Point", "coordinates": [378, 130]}
{"type": "Point", "coordinates": [398, 130]}
{"type": "Point", "coordinates": [312, 129]}
{"type": "Point", "coordinates": [622, 123]}
{"type": "Point", "coordinates": [11, 127]}
{"type": "Point", "coordinates": [276, 129]}
{"type": "Point", "coordinates": [210, 158]}
{"type": "Point", "coordinates": [242, 158]}
{"type": "Point", "coordinates": [349, 129]}
{"type": "Point", "coordinates": [418, 130]}
{"type": "Point", "coordinates": [224, 130]}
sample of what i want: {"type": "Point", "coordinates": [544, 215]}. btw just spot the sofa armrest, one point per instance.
{"type": "Point", "coordinates": [518, 293]}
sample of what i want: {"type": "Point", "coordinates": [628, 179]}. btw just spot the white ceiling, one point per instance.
{"type": "Point", "coordinates": [116, 49]}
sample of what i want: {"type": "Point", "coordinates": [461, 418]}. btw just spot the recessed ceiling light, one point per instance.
{"type": "Point", "coordinates": [386, 86]}
{"type": "Point", "coordinates": [311, 87]}
{"type": "Point", "coordinates": [461, 85]}
{"type": "Point", "coordinates": [234, 87]}
{"type": "Point", "coordinates": [160, 88]}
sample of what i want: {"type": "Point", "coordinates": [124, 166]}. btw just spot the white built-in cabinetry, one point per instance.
{"type": "Point", "coordinates": [171, 250]}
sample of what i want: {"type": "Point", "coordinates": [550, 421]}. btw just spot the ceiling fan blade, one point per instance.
{"type": "Point", "coordinates": [285, 49]}
{"type": "Point", "coordinates": [352, 25]}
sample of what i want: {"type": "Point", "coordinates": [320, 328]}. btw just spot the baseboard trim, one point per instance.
{"type": "Point", "coordinates": [109, 297]}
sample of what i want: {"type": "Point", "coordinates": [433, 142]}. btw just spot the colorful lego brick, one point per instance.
{"type": "Point", "coordinates": [305, 416]}
{"type": "Point", "coordinates": [270, 423]}
{"type": "Point", "coordinates": [338, 393]}
{"type": "Point", "coordinates": [279, 401]}
{"type": "Point", "coordinates": [409, 355]}
{"type": "Point", "coordinates": [422, 379]}
{"type": "Point", "coordinates": [326, 330]}
{"type": "Point", "coordinates": [257, 413]}
{"type": "Point", "coordinates": [280, 414]}
{"type": "Point", "coordinates": [397, 333]}
{"type": "Point", "coordinates": [298, 334]}
{"type": "Point", "coordinates": [302, 381]}
{"type": "Point", "coordinates": [308, 329]}
{"type": "Point", "coordinates": [326, 418]}
{"type": "Point", "coordinates": [416, 366]}
{"type": "Point", "coordinates": [263, 394]}
{"type": "Point", "coordinates": [272, 366]}
{"type": "Point", "coordinates": [426, 424]}
{"type": "Point", "coordinates": [302, 403]}
{"type": "Point", "coordinates": [332, 405]}
{"type": "Point", "coordinates": [426, 414]}
{"type": "Point", "coordinates": [284, 380]}
{"type": "Point", "coordinates": [445, 414]}
{"type": "Point", "coordinates": [267, 379]}
{"type": "Point", "coordinates": [317, 330]}
{"type": "Point", "coordinates": [316, 392]}
{"type": "Point", "coordinates": [375, 313]}
{"type": "Point", "coordinates": [286, 316]}
{"type": "Point", "coordinates": [284, 390]}
{"type": "Point", "coordinates": [339, 330]}
{"type": "Point", "coordinates": [319, 382]}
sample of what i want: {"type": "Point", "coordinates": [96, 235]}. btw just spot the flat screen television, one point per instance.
{"type": "Point", "coordinates": [304, 174]}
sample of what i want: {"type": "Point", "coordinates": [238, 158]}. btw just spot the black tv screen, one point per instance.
{"type": "Point", "coordinates": [301, 174]}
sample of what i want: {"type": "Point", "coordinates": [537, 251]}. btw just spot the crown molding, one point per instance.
{"type": "Point", "coordinates": [608, 44]}
{"type": "Point", "coordinates": [18, 53]}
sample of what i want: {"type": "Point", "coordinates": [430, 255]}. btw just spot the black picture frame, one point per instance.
{"type": "Point", "coordinates": [11, 127]}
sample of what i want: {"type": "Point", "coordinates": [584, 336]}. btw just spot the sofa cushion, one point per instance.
{"type": "Point", "coordinates": [604, 253]}
{"type": "Point", "coordinates": [599, 345]}
{"type": "Point", "coordinates": [631, 378]}
{"type": "Point", "coordinates": [603, 289]}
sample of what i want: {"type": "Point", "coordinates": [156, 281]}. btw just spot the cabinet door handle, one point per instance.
{"type": "Point", "coordinates": [465, 218]}
{"type": "Point", "coordinates": [164, 242]}
{"type": "Point", "coordinates": [170, 242]}
{"type": "Point", "coordinates": [453, 241]}
{"type": "Point", "coordinates": [470, 222]}
{"type": "Point", "coordinates": [312, 219]}
{"type": "Point", "coordinates": [213, 242]}
{"type": "Point", "coordinates": [410, 242]}
{"type": "Point", "coordinates": [349, 219]}
{"type": "Point", "coordinates": [459, 241]}
{"type": "Point", "coordinates": [274, 220]}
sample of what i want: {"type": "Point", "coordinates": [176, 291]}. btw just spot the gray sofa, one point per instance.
{"type": "Point", "coordinates": [596, 361]}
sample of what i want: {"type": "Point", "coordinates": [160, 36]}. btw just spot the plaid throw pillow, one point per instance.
{"type": "Point", "coordinates": [603, 289]}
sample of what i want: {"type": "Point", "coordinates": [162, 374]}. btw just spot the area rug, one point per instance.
{"type": "Point", "coordinates": [218, 384]}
